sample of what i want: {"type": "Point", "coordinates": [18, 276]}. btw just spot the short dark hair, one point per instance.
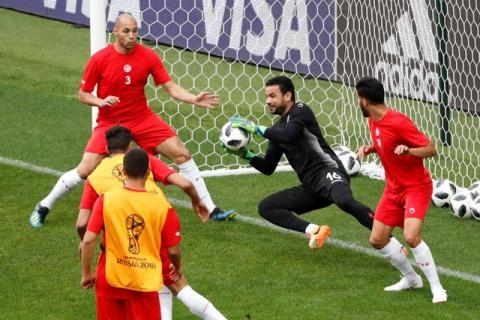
{"type": "Point", "coordinates": [118, 138]}
{"type": "Point", "coordinates": [371, 89]}
{"type": "Point", "coordinates": [284, 83]}
{"type": "Point", "coordinates": [135, 163]}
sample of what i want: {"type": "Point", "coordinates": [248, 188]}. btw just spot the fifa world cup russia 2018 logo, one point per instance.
{"type": "Point", "coordinates": [135, 225]}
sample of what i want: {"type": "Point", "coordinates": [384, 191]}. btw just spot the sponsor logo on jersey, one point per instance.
{"type": "Point", "coordinates": [127, 68]}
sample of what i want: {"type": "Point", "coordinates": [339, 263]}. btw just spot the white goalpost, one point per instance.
{"type": "Point", "coordinates": [98, 36]}
{"type": "Point", "coordinates": [424, 51]}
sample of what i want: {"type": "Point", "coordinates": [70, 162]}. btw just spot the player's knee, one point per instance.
{"type": "Point", "coordinates": [86, 166]}
{"type": "Point", "coordinates": [181, 157]}
{"type": "Point", "coordinates": [84, 171]}
{"type": "Point", "coordinates": [377, 242]}
{"type": "Point", "coordinates": [88, 163]}
{"type": "Point", "coordinates": [265, 208]}
{"type": "Point", "coordinates": [412, 239]}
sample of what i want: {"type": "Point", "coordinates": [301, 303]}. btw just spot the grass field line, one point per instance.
{"type": "Point", "coordinates": [257, 222]}
{"type": "Point", "coordinates": [29, 166]}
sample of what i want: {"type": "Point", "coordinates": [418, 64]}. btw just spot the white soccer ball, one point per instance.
{"type": "Point", "coordinates": [234, 138]}
{"type": "Point", "coordinates": [476, 208]}
{"type": "Point", "coordinates": [443, 191]}
{"type": "Point", "coordinates": [462, 204]}
{"type": "Point", "coordinates": [474, 189]}
{"type": "Point", "coordinates": [349, 161]}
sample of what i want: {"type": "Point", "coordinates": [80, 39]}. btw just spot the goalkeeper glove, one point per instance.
{"type": "Point", "coordinates": [247, 125]}
{"type": "Point", "coordinates": [243, 153]}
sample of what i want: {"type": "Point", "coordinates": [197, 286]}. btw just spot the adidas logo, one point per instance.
{"type": "Point", "coordinates": [413, 75]}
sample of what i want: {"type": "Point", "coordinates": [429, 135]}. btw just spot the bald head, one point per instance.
{"type": "Point", "coordinates": [124, 18]}
{"type": "Point", "coordinates": [126, 33]}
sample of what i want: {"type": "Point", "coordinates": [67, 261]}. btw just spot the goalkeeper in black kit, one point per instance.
{"type": "Point", "coordinates": [322, 175]}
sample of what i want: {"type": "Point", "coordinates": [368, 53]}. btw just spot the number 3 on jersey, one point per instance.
{"type": "Point", "coordinates": [128, 79]}
{"type": "Point", "coordinates": [333, 176]}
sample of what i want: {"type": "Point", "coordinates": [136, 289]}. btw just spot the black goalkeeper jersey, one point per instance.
{"type": "Point", "coordinates": [298, 136]}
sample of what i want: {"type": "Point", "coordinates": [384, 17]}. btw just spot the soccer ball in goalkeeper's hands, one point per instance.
{"type": "Point", "coordinates": [443, 191]}
{"type": "Point", "coordinates": [234, 138]}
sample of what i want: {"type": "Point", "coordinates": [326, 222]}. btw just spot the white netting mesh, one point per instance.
{"type": "Point", "coordinates": [233, 47]}
{"type": "Point", "coordinates": [413, 45]}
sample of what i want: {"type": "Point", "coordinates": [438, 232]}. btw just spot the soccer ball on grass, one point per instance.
{"type": "Point", "coordinates": [462, 204]}
{"type": "Point", "coordinates": [474, 189]}
{"type": "Point", "coordinates": [443, 191]}
{"type": "Point", "coordinates": [476, 208]}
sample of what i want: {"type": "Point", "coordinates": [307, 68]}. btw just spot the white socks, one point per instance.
{"type": "Point", "coordinates": [424, 259]}
{"type": "Point", "coordinates": [165, 303]}
{"type": "Point", "coordinates": [64, 185]}
{"type": "Point", "coordinates": [393, 253]}
{"type": "Point", "coordinates": [198, 305]}
{"type": "Point", "coordinates": [190, 171]}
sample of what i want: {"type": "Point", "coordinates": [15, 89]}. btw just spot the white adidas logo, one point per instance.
{"type": "Point", "coordinates": [403, 78]}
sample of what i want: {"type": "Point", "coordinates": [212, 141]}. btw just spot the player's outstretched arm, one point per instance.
{"type": "Point", "coordinates": [206, 100]}
{"type": "Point", "coordinates": [198, 206]}
{"type": "Point", "coordinates": [203, 99]}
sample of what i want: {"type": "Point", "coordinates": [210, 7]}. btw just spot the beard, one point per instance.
{"type": "Point", "coordinates": [365, 112]}
{"type": "Point", "coordinates": [278, 110]}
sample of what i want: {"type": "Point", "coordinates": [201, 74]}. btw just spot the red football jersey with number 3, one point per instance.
{"type": "Point", "coordinates": [123, 76]}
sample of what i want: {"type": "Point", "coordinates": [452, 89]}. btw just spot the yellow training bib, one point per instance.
{"type": "Point", "coordinates": [133, 224]}
{"type": "Point", "coordinates": [108, 175]}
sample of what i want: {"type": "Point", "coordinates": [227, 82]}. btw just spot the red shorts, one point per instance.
{"type": "Point", "coordinates": [396, 206]}
{"type": "Point", "coordinates": [148, 132]}
{"type": "Point", "coordinates": [145, 306]}
{"type": "Point", "coordinates": [118, 303]}
{"type": "Point", "coordinates": [170, 275]}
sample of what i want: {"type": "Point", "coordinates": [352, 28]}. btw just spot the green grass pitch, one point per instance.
{"type": "Point", "coordinates": [243, 269]}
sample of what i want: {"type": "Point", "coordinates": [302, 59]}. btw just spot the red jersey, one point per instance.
{"type": "Point", "coordinates": [170, 234]}
{"type": "Point", "coordinates": [160, 172]}
{"type": "Point", "coordinates": [124, 76]}
{"type": "Point", "coordinates": [387, 133]}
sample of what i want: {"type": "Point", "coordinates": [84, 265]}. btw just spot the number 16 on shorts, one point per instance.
{"type": "Point", "coordinates": [334, 177]}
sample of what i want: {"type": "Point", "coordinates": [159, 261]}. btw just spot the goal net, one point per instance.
{"type": "Point", "coordinates": [426, 52]}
